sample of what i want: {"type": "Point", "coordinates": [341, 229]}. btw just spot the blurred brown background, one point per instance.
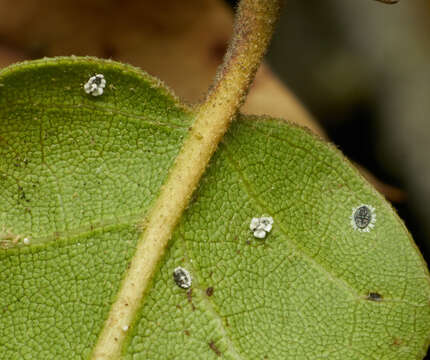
{"type": "Point", "coordinates": [361, 68]}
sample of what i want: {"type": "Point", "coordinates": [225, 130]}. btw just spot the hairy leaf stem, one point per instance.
{"type": "Point", "coordinates": [253, 29]}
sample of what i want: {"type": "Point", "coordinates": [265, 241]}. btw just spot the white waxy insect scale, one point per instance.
{"type": "Point", "coordinates": [125, 328]}
{"type": "Point", "coordinates": [182, 278]}
{"type": "Point", "coordinates": [26, 241]}
{"type": "Point", "coordinates": [261, 226]}
{"type": "Point", "coordinates": [363, 218]}
{"type": "Point", "coordinates": [95, 85]}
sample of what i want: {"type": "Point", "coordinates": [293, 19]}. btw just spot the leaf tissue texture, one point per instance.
{"type": "Point", "coordinates": [78, 174]}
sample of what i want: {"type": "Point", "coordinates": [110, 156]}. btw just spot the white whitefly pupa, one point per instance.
{"type": "Point", "coordinates": [261, 226]}
{"type": "Point", "coordinates": [95, 85]}
{"type": "Point", "coordinates": [363, 218]}
{"type": "Point", "coordinates": [182, 278]}
{"type": "Point", "coordinates": [26, 241]}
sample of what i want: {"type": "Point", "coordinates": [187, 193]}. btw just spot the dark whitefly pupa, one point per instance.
{"type": "Point", "coordinates": [182, 278]}
{"type": "Point", "coordinates": [363, 218]}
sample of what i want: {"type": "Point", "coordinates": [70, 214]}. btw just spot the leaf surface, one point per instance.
{"type": "Point", "coordinates": [77, 176]}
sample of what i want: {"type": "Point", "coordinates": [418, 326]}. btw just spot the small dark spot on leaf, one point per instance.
{"type": "Point", "coordinates": [397, 341]}
{"type": "Point", "coordinates": [210, 291]}
{"type": "Point", "coordinates": [190, 298]}
{"type": "Point", "coordinates": [21, 193]}
{"type": "Point", "coordinates": [186, 332]}
{"type": "Point", "coordinates": [373, 296]}
{"type": "Point", "coordinates": [214, 348]}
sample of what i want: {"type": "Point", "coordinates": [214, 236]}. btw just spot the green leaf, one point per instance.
{"type": "Point", "coordinates": [78, 174]}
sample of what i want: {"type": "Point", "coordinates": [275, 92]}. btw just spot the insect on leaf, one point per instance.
{"type": "Point", "coordinates": [78, 174]}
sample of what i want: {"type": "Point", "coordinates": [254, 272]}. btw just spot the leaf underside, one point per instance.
{"type": "Point", "coordinates": [78, 174]}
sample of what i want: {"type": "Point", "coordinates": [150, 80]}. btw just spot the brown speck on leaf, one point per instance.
{"type": "Point", "coordinates": [190, 298]}
{"type": "Point", "coordinates": [397, 341]}
{"type": "Point", "coordinates": [214, 348]}
{"type": "Point", "coordinates": [186, 332]}
{"type": "Point", "coordinates": [210, 291]}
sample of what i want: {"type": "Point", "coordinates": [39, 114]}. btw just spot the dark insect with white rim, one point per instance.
{"type": "Point", "coordinates": [182, 278]}
{"type": "Point", "coordinates": [363, 218]}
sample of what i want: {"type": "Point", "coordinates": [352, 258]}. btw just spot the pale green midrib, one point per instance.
{"type": "Point", "coordinates": [105, 108]}
{"type": "Point", "coordinates": [209, 307]}
{"type": "Point", "coordinates": [340, 283]}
